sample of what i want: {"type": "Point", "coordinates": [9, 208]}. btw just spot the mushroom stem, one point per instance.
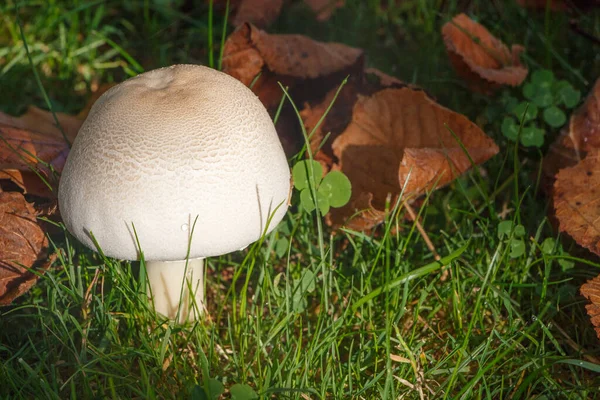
{"type": "Point", "coordinates": [165, 279]}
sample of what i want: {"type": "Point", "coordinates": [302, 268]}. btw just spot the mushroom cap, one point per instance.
{"type": "Point", "coordinates": [185, 154]}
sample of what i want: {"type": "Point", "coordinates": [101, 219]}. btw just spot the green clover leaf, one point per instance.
{"type": "Point", "coordinates": [569, 96]}
{"type": "Point", "coordinates": [240, 391]}
{"type": "Point", "coordinates": [309, 205]}
{"type": "Point", "coordinates": [281, 246]}
{"type": "Point", "coordinates": [336, 188]}
{"type": "Point", "coordinates": [517, 248]}
{"type": "Point", "coordinates": [542, 78]}
{"type": "Point", "coordinates": [554, 117]}
{"type": "Point", "coordinates": [333, 190]}
{"type": "Point", "coordinates": [532, 136]}
{"type": "Point", "coordinates": [301, 171]}
{"type": "Point", "coordinates": [504, 229]}
{"type": "Point", "coordinates": [565, 265]}
{"type": "Point", "coordinates": [519, 231]}
{"type": "Point", "coordinates": [510, 129]}
{"type": "Point", "coordinates": [514, 234]}
{"type": "Point", "coordinates": [529, 91]}
{"type": "Point", "coordinates": [525, 111]}
{"type": "Point", "coordinates": [543, 97]}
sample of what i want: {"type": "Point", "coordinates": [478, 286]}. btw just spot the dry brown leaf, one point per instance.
{"type": "Point", "coordinates": [23, 244]}
{"type": "Point", "coordinates": [383, 80]}
{"type": "Point", "coordinates": [581, 135]}
{"type": "Point", "coordinates": [399, 138]}
{"type": "Point", "coordinates": [359, 214]}
{"type": "Point", "coordinates": [23, 148]}
{"type": "Point", "coordinates": [340, 113]}
{"type": "Point", "coordinates": [479, 58]}
{"type": "Point", "coordinates": [323, 9]}
{"type": "Point", "coordinates": [29, 182]}
{"type": "Point", "coordinates": [34, 137]}
{"type": "Point", "coordinates": [260, 13]}
{"type": "Point", "coordinates": [42, 121]}
{"type": "Point", "coordinates": [36, 119]}
{"type": "Point", "coordinates": [289, 132]}
{"type": "Point", "coordinates": [21, 151]}
{"type": "Point", "coordinates": [289, 59]}
{"type": "Point", "coordinates": [591, 291]}
{"type": "Point", "coordinates": [577, 201]}
{"type": "Point", "coordinates": [584, 125]}
{"type": "Point", "coordinates": [337, 119]}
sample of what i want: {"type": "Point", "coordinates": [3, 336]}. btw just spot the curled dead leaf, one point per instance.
{"type": "Point", "coordinates": [24, 148]}
{"type": "Point", "coordinates": [400, 139]}
{"type": "Point", "coordinates": [581, 135]}
{"type": "Point", "coordinates": [480, 58]}
{"type": "Point", "coordinates": [25, 157]}
{"type": "Point", "coordinates": [383, 80]}
{"type": "Point", "coordinates": [584, 126]}
{"type": "Point", "coordinates": [340, 113]}
{"type": "Point", "coordinates": [576, 205]}
{"type": "Point", "coordinates": [36, 183]}
{"type": "Point", "coordinates": [23, 245]}
{"type": "Point", "coordinates": [36, 119]}
{"type": "Point", "coordinates": [591, 291]}
{"type": "Point", "coordinates": [31, 146]}
{"type": "Point", "coordinates": [359, 214]}
{"type": "Point", "coordinates": [337, 119]}
{"type": "Point", "coordinates": [290, 59]}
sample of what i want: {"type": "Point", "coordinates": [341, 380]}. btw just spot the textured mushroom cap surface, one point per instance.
{"type": "Point", "coordinates": [168, 148]}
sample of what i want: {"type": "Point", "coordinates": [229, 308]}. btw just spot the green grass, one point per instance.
{"type": "Point", "coordinates": [311, 313]}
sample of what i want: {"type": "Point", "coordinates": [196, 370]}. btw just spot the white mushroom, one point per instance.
{"type": "Point", "coordinates": [164, 150]}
